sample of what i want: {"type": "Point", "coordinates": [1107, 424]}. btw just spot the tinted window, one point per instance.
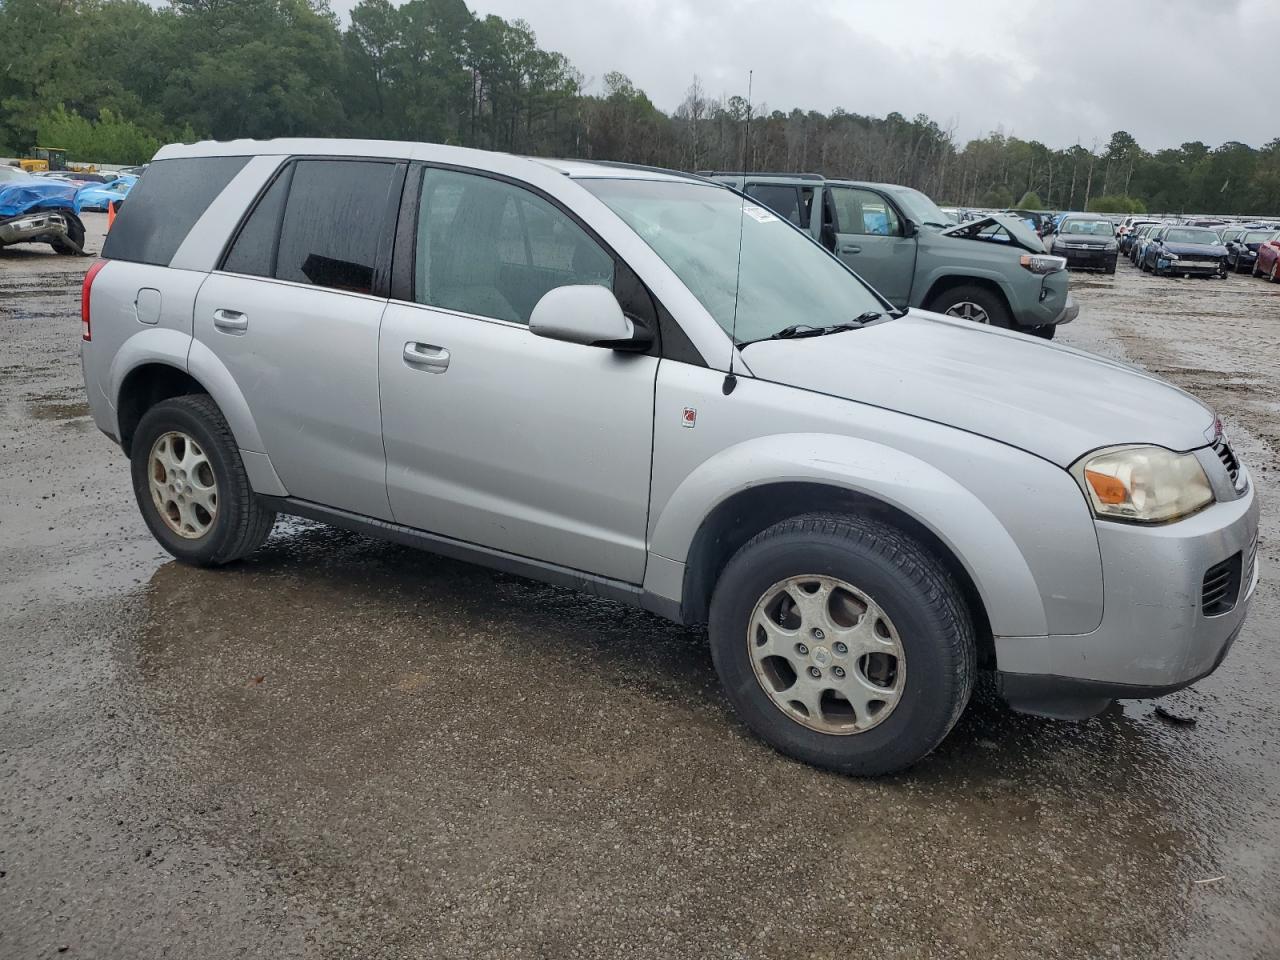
{"type": "Point", "coordinates": [864, 212]}
{"type": "Point", "coordinates": [782, 200]}
{"type": "Point", "coordinates": [254, 249]}
{"type": "Point", "coordinates": [493, 249]}
{"type": "Point", "coordinates": [165, 204]}
{"type": "Point", "coordinates": [333, 223]}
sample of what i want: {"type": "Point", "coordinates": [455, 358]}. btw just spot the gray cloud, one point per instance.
{"type": "Point", "coordinates": [1047, 71]}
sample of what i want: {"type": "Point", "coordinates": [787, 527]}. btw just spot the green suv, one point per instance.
{"type": "Point", "coordinates": [992, 270]}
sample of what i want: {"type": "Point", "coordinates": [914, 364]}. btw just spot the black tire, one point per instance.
{"type": "Point", "coordinates": [991, 303]}
{"type": "Point", "coordinates": [1046, 331]}
{"type": "Point", "coordinates": [1110, 270]}
{"type": "Point", "coordinates": [241, 523]}
{"type": "Point", "coordinates": [73, 244]}
{"type": "Point", "coordinates": [914, 590]}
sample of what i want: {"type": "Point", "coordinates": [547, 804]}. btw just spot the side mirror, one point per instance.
{"type": "Point", "coordinates": [910, 228]}
{"type": "Point", "coordinates": [587, 314]}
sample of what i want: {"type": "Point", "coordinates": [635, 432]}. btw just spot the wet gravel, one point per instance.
{"type": "Point", "coordinates": [343, 748]}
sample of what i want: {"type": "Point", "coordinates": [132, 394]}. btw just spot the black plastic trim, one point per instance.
{"type": "Point", "coordinates": [1073, 698]}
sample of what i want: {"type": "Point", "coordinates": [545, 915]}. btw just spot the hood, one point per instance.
{"type": "Point", "coordinates": [1023, 236]}
{"type": "Point", "coordinates": [23, 196]}
{"type": "Point", "coordinates": [1053, 401]}
{"type": "Point", "coordinates": [1196, 249]}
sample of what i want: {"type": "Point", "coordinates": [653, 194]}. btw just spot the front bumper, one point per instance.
{"type": "Point", "coordinates": [1092, 258]}
{"type": "Point", "coordinates": [43, 227]}
{"type": "Point", "coordinates": [1196, 267]}
{"type": "Point", "coordinates": [1156, 635]}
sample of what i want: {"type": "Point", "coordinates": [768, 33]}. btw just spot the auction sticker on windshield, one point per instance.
{"type": "Point", "coordinates": [759, 214]}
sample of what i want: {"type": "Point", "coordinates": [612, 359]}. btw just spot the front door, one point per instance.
{"type": "Point", "coordinates": [870, 238]}
{"type": "Point", "coordinates": [493, 435]}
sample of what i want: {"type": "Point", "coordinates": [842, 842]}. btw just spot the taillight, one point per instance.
{"type": "Point", "coordinates": [85, 332]}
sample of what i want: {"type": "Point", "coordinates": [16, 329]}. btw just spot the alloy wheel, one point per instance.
{"type": "Point", "coordinates": [826, 654]}
{"type": "Point", "coordinates": [183, 486]}
{"type": "Point", "coordinates": [968, 310]}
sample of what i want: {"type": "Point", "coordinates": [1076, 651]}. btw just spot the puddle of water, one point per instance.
{"type": "Point", "coordinates": [59, 411]}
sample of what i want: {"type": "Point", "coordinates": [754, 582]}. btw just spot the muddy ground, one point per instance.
{"type": "Point", "coordinates": [343, 748]}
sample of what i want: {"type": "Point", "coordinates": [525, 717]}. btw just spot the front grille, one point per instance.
{"type": "Point", "coordinates": [1228, 458]}
{"type": "Point", "coordinates": [1250, 564]}
{"type": "Point", "coordinates": [1221, 587]}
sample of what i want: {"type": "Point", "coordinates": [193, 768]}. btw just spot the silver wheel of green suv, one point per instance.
{"type": "Point", "coordinates": [968, 310]}
{"type": "Point", "coordinates": [826, 654]}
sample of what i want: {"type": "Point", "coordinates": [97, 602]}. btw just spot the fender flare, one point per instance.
{"type": "Point", "coordinates": [204, 365]}
{"type": "Point", "coordinates": [960, 520]}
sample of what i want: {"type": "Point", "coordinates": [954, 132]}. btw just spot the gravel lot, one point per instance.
{"type": "Point", "coordinates": [343, 748]}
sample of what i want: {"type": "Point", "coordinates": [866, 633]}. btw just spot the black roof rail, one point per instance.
{"type": "Point", "coordinates": [759, 173]}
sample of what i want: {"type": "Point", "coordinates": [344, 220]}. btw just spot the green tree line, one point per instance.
{"type": "Point", "coordinates": [111, 79]}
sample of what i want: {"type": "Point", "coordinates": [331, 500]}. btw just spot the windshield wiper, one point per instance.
{"type": "Point", "coordinates": [798, 330]}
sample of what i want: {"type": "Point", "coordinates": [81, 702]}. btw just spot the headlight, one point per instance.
{"type": "Point", "coordinates": [1143, 484]}
{"type": "Point", "coordinates": [1112, 245]}
{"type": "Point", "coordinates": [1042, 263]}
{"type": "Point", "coordinates": [1170, 256]}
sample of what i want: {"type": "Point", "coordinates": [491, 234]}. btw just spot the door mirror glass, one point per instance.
{"type": "Point", "coordinates": [587, 314]}
{"type": "Point", "coordinates": [910, 228]}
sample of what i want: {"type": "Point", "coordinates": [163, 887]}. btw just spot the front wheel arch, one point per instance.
{"type": "Point", "coordinates": [944, 285]}
{"type": "Point", "coordinates": [739, 518]}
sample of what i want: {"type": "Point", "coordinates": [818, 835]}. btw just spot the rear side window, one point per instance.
{"type": "Point", "coordinates": [333, 223]}
{"type": "Point", "coordinates": [254, 250]}
{"type": "Point", "coordinates": [782, 200]}
{"type": "Point", "coordinates": [164, 205]}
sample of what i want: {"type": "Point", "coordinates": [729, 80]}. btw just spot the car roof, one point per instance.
{"type": "Point", "coordinates": [410, 150]}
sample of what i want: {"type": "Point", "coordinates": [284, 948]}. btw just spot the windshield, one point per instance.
{"type": "Point", "coordinates": [1089, 228]}
{"type": "Point", "coordinates": [786, 278]}
{"type": "Point", "coordinates": [1258, 236]}
{"type": "Point", "coordinates": [1192, 235]}
{"type": "Point", "coordinates": [920, 208]}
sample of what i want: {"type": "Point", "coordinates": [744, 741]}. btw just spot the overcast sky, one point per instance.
{"type": "Point", "coordinates": [1048, 71]}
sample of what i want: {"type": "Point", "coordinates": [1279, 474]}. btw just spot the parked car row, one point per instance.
{"type": "Point", "coordinates": [45, 207]}
{"type": "Point", "coordinates": [1174, 249]}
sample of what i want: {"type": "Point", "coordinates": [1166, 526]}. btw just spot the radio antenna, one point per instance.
{"type": "Point", "coordinates": [730, 380]}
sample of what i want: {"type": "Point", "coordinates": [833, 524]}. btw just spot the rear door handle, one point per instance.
{"type": "Point", "coordinates": [231, 320]}
{"type": "Point", "coordinates": [426, 356]}
{"type": "Point", "coordinates": [850, 248]}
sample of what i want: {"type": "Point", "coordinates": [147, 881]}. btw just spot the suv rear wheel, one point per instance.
{"type": "Point", "coordinates": [191, 485]}
{"type": "Point", "coordinates": [843, 642]}
{"type": "Point", "coordinates": [974, 303]}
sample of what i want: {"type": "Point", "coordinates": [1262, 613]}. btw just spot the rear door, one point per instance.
{"type": "Point", "coordinates": [870, 238]}
{"type": "Point", "coordinates": [293, 314]}
{"type": "Point", "coordinates": [495, 436]}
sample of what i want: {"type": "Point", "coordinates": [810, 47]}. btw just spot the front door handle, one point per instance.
{"type": "Point", "coordinates": [850, 248]}
{"type": "Point", "coordinates": [230, 320]}
{"type": "Point", "coordinates": [426, 356]}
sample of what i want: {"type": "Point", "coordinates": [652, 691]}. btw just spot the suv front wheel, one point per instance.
{"type": "Point", "coordinates": [191, 484]}
{"type": "Point", "coordinates": [973, 303]}
{"type": "Point", "coordinates": [843, 642]}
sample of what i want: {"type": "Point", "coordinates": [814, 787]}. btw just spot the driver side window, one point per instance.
{"type": "Point", "coordinates": [865, 213]}
{"type": "Point", "coordinates": [490, 248]}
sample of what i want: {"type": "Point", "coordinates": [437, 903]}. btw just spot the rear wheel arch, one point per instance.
{"type": "Point", "coordinates": [145, 386]}
{"type": "Point", "coordinates": [736, 520]}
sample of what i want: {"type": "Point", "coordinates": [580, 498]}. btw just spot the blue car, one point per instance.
{"type": "Point", "coordinates": [96, 196]}
{"type": "Point", "coordinates": [1186, 251]}
{"type": "Point", "coordinates": [39, 210]}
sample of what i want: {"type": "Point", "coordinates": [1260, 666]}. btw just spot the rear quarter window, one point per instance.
{"type": "Point", "coordinates": [164, 205]}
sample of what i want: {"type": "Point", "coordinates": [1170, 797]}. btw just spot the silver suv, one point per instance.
{"type": "Point", "coordinates": [645, 386]}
